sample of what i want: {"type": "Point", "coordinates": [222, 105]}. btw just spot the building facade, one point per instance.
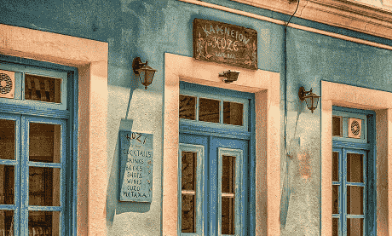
{"type": "Point", "coordinates": [89, 150]}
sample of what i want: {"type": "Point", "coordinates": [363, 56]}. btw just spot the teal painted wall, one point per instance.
{"type": "Point", "coordinates": [149, 28]}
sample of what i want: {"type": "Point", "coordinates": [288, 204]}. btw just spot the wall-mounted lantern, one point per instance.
{"type": "Point", "coordinates": [310, 98]}
{"type": "Point", "coordinates": [145, 72]}
{"type": "Point", "coordinates": [230, 76]}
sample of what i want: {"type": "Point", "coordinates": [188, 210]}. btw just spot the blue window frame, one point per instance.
{"type": "Point", "coordinates": [353, 172]}
{"type": "Point", "coordinates": [37, 132]}
{"type": "Point", "coordinates": [216, 163]}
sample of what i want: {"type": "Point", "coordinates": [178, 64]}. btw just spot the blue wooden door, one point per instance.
{"type": "Point", "coordinates": [32, 173]}
{"type": "Point", "coordinates": [213, 185]}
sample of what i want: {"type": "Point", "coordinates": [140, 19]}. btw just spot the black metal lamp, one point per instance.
{"type": "Point", "coordinates": [145, 72]}
{"type": "Point", "coordinates": [230, 76]}
{"type": "Point", "coordinates": [310, 98]}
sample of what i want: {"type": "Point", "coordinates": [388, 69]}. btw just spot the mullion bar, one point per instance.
{"type": "Point", "coordinates": [24, 198]}
{"type": "Point", "coordinates": [356, 216]}
{"type": "Point", "coordinates": [45, 208]}
{"type": "Point", "coordinates": [43, 164]}
{"type": "Point", "coordinates": [197, 108]}
{"type": "Point", "coordinates": [8, 162]}
{"type": "Point", "coordinates": [346, 184]}
{"type": "Point", "coordinates": [356, 184]}
{"type": "Point", "coordinates": [221, 112]}
{"type": "Point", "coordinates": [8, 207]}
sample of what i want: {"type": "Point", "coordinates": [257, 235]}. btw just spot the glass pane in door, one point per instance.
{"type": "Point", "coordinates": [187, 107]}
{"type": "Point", "coordinates": [42, 88]}
{"type": "Point", "coordinates": [188, 192]}
{"type": "Point", "coordinates": [335, 166]}
{"type": "Point", "coordinates": [6, 222]}
{"type": "Point", "coordinates": [335, 226]}
{"type": "Point", "coordinates": [44, 143]}
{"type": "Point", "coordinates": [209, 110]}
{"type": "Point", "coordinates": [354, 227]}
{"type": "Point", "coordinates": [354, 200]}
{"type": "Point", "coordinates": [44, 223]}
{"type": "Point", "coordinates": [354, 167]}
{"type": "Point", "coordinates": [44, 186]}
{"type": "Point", "coordinates": [7, 139]}
{"type": "Point", "coordinates": [228, 194]}
{"type": "Point", "coordinates": [7, 184]}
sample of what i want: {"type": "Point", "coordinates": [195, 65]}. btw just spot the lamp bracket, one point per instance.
{"type": "Point", "coordinates": [302, 93]}
{"type": "Point", "coordinates": [137, 64]}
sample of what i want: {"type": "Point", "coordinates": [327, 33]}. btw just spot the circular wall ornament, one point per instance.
{"type": "Point", "coordinates": [355, 127]}
{"type": "Point", "coordinates": [5, 83]}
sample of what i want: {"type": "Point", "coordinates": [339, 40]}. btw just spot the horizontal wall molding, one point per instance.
{"type": "Point", "coordinates": [305, 10]}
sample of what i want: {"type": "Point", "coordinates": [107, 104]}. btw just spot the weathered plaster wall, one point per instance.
{"type": "Point", "coordinates": [148, 29]}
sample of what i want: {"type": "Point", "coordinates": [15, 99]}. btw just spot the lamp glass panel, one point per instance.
{"type": "Point", "coordinates": [315, 102]}
{"type": "Point", "coordinates": [309, 102]}
{"type": "Point", "coordinates": [149, 76]}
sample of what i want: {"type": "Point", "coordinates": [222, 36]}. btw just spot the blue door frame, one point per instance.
{"type": "Point", "coordinates": [215, 140]}
{"type": "Point", "coordinates": [365, 146]}
{"type": "Point", "coordinates": [210, 183]}
{"type": "Point", "coordinates": [66, 115]}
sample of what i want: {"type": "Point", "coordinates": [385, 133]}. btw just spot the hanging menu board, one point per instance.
{"type": "Point", "coordinates": [136, 166]}
{"type": "Point", "coordinates": [224, 43]}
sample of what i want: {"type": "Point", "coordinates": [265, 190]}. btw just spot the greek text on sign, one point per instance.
{"type": "Point", "coordinates": [224, 43]}
{"type": "Point", "coordinates": [136, 166]}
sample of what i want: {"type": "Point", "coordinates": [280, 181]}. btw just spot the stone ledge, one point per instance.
{"type": "Point", "coordinates": [343, 14]}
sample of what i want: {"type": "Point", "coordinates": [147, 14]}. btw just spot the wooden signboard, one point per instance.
{"type": "Point", "coordinates": [136, 166]}
{"type": "Point", "coordinates": [224, 43]}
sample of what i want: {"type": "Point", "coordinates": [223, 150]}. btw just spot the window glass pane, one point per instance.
{"type": "Point", "coordinates": [228, 211]}
{"type": "Point", "coordinates": [44, 223]}
{"type": "Point", "coordinates": [188, 176]}
{"type": "Point", "coordinates": [188, 219]}
{"type": "Point", "coordinates": [41, 88]}
{"type": "Point", "coordinates": [232, 113]}
{"type": "Point", "coordinates": [228, 174]}
{"type": "Point", "coordinates": [44, 143]}
{"type": "Point", "coordinates": [335, 226]}
{"type": "Point", "coordinates": [6, 223]}
{"type": "Point", "coordinates": [354, 200]}
{"type": "Point", "coordinates": [354, 227]}
{"type": "Point", "coordinates": [7, 139]}
{"type": "Point", "coordinates": [335, 166]}
{"type": "Point", "coordinates": [337, 126]}
{"type": "Point", "coordinates": [354, 167]}
{"type": "Point", "coordinates": [335, 199]}
{"type": "Point", "coordinates": [187, 109]}
{"type": "Point", "coordinates": [44, 186]}
{"type": "Point", "coordinates": [7, 184]}
{"type": "Point", "coordinates": [209, 110]}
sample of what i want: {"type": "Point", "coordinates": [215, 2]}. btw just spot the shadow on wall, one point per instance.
{"type": "Point", "coordinates": [114, 205]}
